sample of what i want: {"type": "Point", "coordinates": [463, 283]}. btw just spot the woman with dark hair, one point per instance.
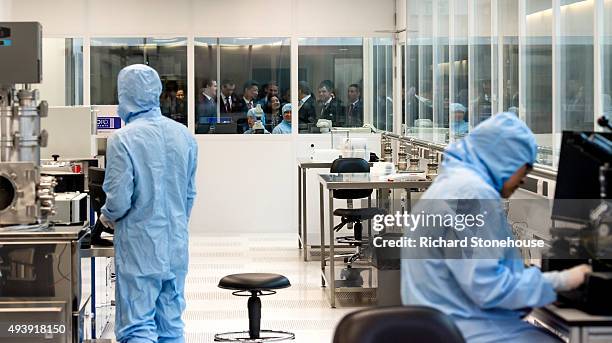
{"type": "Point", "coordinates": [273, 108]}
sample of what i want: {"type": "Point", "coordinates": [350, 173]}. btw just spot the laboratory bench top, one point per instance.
{"type": "Point", "coordinates": [366, 180]}
{"type": "Point", "coordinates": [21, 232]}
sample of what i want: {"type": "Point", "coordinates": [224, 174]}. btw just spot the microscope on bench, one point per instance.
{"type": "Point", "coordinates": [582, 218]}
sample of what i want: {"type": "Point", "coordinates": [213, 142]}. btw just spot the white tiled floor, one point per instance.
{"type": "Point", "coordinates": [302, 309]}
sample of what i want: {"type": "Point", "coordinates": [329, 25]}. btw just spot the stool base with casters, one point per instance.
{"type": "Point", "coordinates": [254, 285]}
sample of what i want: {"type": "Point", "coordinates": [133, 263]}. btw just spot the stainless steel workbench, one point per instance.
{"type": "Point", "coordinates": [333, 182]}
{"type": "Point", "coordinates": [41, 284]}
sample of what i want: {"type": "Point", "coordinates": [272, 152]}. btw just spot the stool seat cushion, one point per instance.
{"type": "Point", "coordinates": [353, 214]}
{"type": "Point", "coordinates": [254, 282]}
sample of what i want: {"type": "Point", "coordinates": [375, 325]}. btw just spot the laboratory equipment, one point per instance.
{"type": "Point", "coordinates": [324, 125]}
{"type": "Point", "coordinates": [582, 217]}
{"type": "Point", "coordinates": [386, 150]}
{"type": "Point", "coordinates": [26, 197]}
{"type": "Point", "coordinates": [70, 208]}
{"type": "Point", "coordinates": [402, 157]}
{"type": "Point", "coordinates": [40, 264]}
{"type": "Point", "coordinates": [415, 160]}
{"type": "Point", "coordinates": [432, 165]}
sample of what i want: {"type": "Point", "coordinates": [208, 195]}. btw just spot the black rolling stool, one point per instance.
{"type": "Point", "coordinates": [353, 215]}
{"type": "Point", "coordinates": [397, 324]}
{"type": "Point", "coordinates": [254, 285]}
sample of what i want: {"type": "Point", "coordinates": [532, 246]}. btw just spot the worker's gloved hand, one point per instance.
{"type": "Point", "coordinates": [106, 222]}
{"type": "Point", "coordinates": [568, 279]}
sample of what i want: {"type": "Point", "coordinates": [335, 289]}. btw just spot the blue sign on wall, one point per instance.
{"type": "Point", "coordinates": [109, 123]}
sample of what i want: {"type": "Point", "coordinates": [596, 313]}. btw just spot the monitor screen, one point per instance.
{"type": "Point", "coordinates": [577, 190]}
{"type": "Point", "coordinates": [96, 193]}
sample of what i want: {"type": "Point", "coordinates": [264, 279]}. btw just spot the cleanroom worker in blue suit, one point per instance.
{"type": "Point", "coordinates": [486, 297]}
{"type": "Point", "coordinates": [150, 189]}
{"type": "Point", "coordinates": [284, 127]}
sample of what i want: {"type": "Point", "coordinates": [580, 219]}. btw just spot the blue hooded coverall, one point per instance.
{"type": "Point", "coordinates": [486, 297]}
{"type": "Point", "coordinates": [150, 188]}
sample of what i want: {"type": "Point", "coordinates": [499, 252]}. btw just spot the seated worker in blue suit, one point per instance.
{"type": "Point", "coordinates": [457, 112]}
{"type": "Point", "coordinates": [285, 126]}
{"type": "Point", "coordinates": [486, 297]}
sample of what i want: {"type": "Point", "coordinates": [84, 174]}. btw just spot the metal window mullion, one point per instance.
{"type": "Point", "coordinates": [191, 86]}
{"type": "Point", "coordinates": [86, 84]}
{"type": "Point", "coordinates": [451, 66]}
{"type": "Point", "coordinates": [598, 34]}
{"type": "Point", "coordinates": [219, 78]}
{"type": "Point", "coordinates": [435, 59]}
{"type": "Point", "coordinates": [497, 58]}
{"type": "Point", "coordinates": [471, 69]}
{"type": "Point", "coordinates": [556, 77]}
{"type": "Point", "coordinates": [367, 81]}
{"type": "Point", "coordinates": [397, 86]}
{"type": "Point", "coordinates": [522, 26]}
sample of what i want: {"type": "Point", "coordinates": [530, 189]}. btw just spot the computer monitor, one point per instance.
{"type": "Point", "coordinates": [578, 187]}
{"type": "Point", "coordinates": [96, 193]}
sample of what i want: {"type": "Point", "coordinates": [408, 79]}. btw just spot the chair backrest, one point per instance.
{"type": "Point", "coordinates": [350, 165]}
{"type": "Point", "coordinates": [397, 324]}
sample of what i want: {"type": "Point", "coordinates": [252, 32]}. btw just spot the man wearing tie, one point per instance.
{"type": "Point", "coordinates": [329, 107]}
{"type": "Point", "coordinates": [228, 98]}
{"type": "Point", "coordinates": [207, 104]}
{"type": "Point", "coordinates": [251, 90]}
{"type": "Point", "coordinates": [354, 112]}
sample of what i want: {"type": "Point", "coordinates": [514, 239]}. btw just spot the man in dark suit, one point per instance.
{"type": "Point", "coordinates": [249, 97]}
{"type": "Point", "coordinates": [354, 110]}
{"type": "Point", "coordinates": [228, 98]}
{"type": "Point", "coordinates": [207, 103]}
{"type": "Point", "coordinates": [329, 107]}
{"type": "Point", "coordinates": [307, 113]}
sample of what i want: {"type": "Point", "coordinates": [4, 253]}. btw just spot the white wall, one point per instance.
{"type": "Point", "coordinates": [54, 72]}
{"type": "Point", "coordinates": [255, 18]}
{"type": "Point", "coordinates": [5, 10]}
{"type": "Point", "coordinates": [245, 184]}
{"type": "Point", "coordinates": [249, 183]}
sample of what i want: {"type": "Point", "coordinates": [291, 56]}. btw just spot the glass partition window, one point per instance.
{"type": "Point", "coordinates": [259, 72]}
{"type": "Point", "coordinates": [330, 85]}
{"type": "Point", "coordinates": [242, 85]}
{"type": "Point", "coordinates": [167, 56]}
{"type": "Point", "coordinates": [62, 66]}
{"type": "Point", "coordinates": [507, 16]}
{"type": "Point", "coordinates": [575, 46]}
{"type": "Point", "coordinates": [382, 85]}
{"type": "Point", "coordinates": [441, 70]}
{"type": "Point", "coordinates": [536, 103]}
{"type": "Point", "coordinates": [482, 99]}
{"type": "Point", "coordinates": [207, 109]}
{"type": "Point", "coordinates": [459, 69]}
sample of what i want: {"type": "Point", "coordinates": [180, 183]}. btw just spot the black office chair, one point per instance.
{"type": "Point", "coordinates": [351, 215]}
{"type": "Point", "coordinates": [404, 324]}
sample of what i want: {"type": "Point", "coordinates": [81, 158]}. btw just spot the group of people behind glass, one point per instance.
{"type": "Point", "coordinates": [246, 111]}
{"type": "Point", "coordinates": [270, 108]}
{"type": "Point", "coordinates": [328, 106]}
